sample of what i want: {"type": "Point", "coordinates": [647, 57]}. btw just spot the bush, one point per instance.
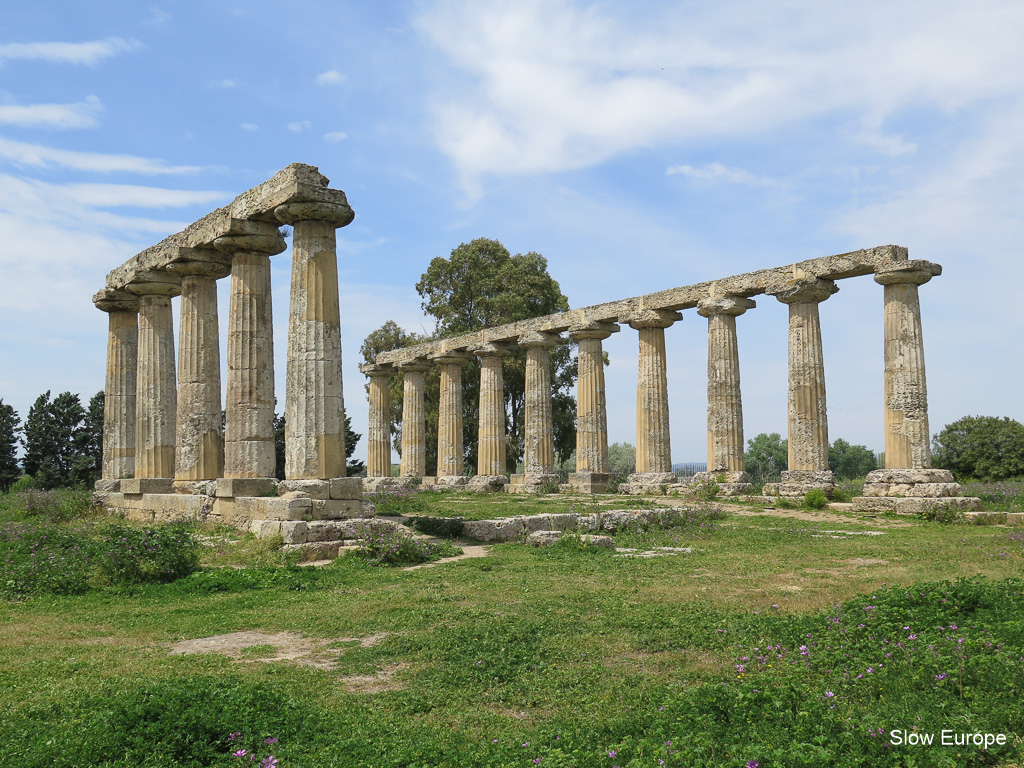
{"type": "Point", "coordinates": [391, 547]}
{"type": "Point", "coordinates": [983, 447]}
{"type": "Point", "coordinates": [815, 499]}
{"type": "Point", "coordinates": [128, 555]}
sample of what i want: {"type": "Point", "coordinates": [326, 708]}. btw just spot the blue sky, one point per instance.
{"type": "Point", "coordinates": [637, 146]}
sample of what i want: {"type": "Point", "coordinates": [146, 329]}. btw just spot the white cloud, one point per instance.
{"type": "Point", "coordinates": [719, 172]}
{"type": "Point", "coordinates": [110, 195]}
{"type": "Point", "coordinates": [299, 126]}
{"type": "Point", "coordinates": [89, 53]}
{"type": "Point", "coordinates": [250, 127]}
{"type": "Point", "coordinates": [219, 85]}
{"type": "Point", "coordinates": [23, 154]}
{"type": "Point", "coordinates": [330, 77]}
{"type": "Point", "coordinates": [80, 115]}
{"type": "Point", "coordinates": [335, 136]}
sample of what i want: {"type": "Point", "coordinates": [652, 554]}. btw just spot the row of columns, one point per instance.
{"type": "Point", "coordinates": [166, 429]}
{"type": "Point", "coordinates": [906, 422]}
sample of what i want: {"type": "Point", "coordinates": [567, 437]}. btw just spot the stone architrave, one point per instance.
{"type": "Point", "coordinates": [808, 415]}
{"type": "Point", "coordinates": [314, 400]}
{"type": "Point", "coordinates": [378, 430]}
{"type": "Point", "coordinates": [249, 419]}
{"type": "Point", "coordinates": [199, 449]}
{"type": "Point", "coordinates": [414, 429]}
{"type": "Point", "coordinates": [491, 468]}
{"type": "Point", "coordinates": [156, 396]}
{"type": "Point", "coordinates": [653, 441]}
{"type": "Point", "coordinates": [539, 452]}
{"type": "Point", "coordinates": [906, 393]}
{"type": "Point", "coordinates": [450, 459]}
{"type": "Point", "coordinates": [592, 470]}
{"type": "Point", "coordinates": [725, 404]}
{"type": "Point", "coordinates": [122, 310]}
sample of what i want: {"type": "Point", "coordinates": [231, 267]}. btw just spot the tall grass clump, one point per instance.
{"type": "Point", "coordinates": [387, 546]}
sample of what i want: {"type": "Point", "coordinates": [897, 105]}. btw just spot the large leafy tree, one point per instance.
{"type": "Point", "coordinates": [10, 426]}
{"type": "Point", "coordinates": [482, 285]}
{"type": "Point", "coordinates": [57, 446]}
{"type": "Point", "coordinates": [767, 455]}
{"type": "Point", "coordinates": [984, 447]}
{"type": "Point", "coordinates": [850, 461]}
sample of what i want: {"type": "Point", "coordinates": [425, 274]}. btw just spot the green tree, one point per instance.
{"type": "Point", "coordinates": [766, 457]}
{"type": "Point", "coordinates": [87, 464]}
{"type": "Point", "coordinates": [53, 441]}
{"type": "Point", "coordinates": [983, 447]}
{"type": "Point", "coordinates": [482, 285]}
{"type": "Point", "coordinates": [621, 460]}
{"type": "Point", "coordinates": [850, 461]}
{"type": "Point", "coordinates": [9, 428]}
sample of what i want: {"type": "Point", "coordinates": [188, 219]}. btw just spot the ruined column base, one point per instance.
{"type": "Point", "coordinates": [729, 483]}
{"type": "Point", "coordinates": [137, 485]}
{"type": "Point", "coordinates": [228, 487]}
{"type": "Point", "coordinates": [195, 487]}
{"type": "Point", "coordinates": [335, 488]}
{"type": "Point", "coordinates": [589, 482]}
{"type": "Point", "coordinates": [913, 505]}
{"type": "Point", "coordinates": [929, 483]}
{"type": "Point", "coordinates": [530, 483]}
{"type": "Point", "coordinates": [107, 486]}
{"type": "Point", "coordinates": [641, 483]}
{"type": "Point", "coordinates": [378, 484]}
{"type": "Point", "coordinates": [452, 481]}
{"type": "Point", "coordinates": [487, 483]}
{"type": "Point", "coordinates": [797, 482]}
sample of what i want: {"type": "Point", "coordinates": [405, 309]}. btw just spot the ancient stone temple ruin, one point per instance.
{"type": "Point", "coordinates": [165, 454]}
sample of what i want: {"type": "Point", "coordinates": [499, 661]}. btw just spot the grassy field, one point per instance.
{"type": "Point", "coordinates": [792, 639]}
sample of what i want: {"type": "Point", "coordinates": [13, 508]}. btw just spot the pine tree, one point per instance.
{"type": "Point", "coordinates": [52, 439]}
{"type": "Point", "coordinates": [9, 428]}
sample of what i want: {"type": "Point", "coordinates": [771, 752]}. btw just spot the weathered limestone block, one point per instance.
{"type": "Point", "coordinates": [453, 481]}
{"type": "Point", "coordinates": [314, 399]}
{"type": "Point", "coordinates": [293, 531]}
{"type": "Point", "coordinates": [337, 509]}
{"type": "Point", "coordinates": [927, 490]}
{"type": "Point", "coordinates": [492, 530]}
{"type": "Point", "coordinates": [122, 310]}
{"type": "Point", "coordinates": [725, 405]}
{"type": "Point", "coordinates": [346, 488]}
{"type": "Point", "coordinates": [910, 476]}
{"type": "Point", "coordinates": [414, 431]}
{"type": "Point", "coordinates": [536, 522]}
{"type": "Point", "coordinates": [249, 409]}
{"type": "Point", "coordinates": [907, 440]}
{"type": "Point", "coordinates": [270, 508]}
{"type": "Point", "coordinates": [156, 396]}
{"type": "Point", "coordinates": [264, 529]}
{"type": "Point", "coordinates": [648, 483]}
{"type": "Point", "coordinates": [229, 487]}
{"type": "Point", "coordinates": [913, 505]}
{"type": "Point", "coordinates": [304, 489]}
{"type": "Point", "coordinates": [138, 485]}
{"type": "Point", "coordinates": [543, 538]}
{"type": "Point", "coordinates": [589, 482]}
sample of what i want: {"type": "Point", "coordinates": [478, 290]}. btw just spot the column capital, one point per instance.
{"type": "Point", "coordinates": [916, 271]}
{"type": "Point", "coordinates": [492, 349]}
{"type": "Point", "coordinates": [653, 318]}
{"type": "Point", "coordinates": [539, 340]}
{"type": "Point", "coordinates": [805, 291]}
{"type": "Point", "coordinates": [599, 330]}
{"type": "Point", "coordinates": [724, 305]}
{"type": "Point", "coordinates": [416, 365]}
{"type": "Point", "coordinates": [376, 369]}
{"type": "Point", "coordinates": [154, 282]}
{"type": "Point", "coordinates": [251, 236]}
{"type": "Point", "coordinates": [201, 262]}
{"type": "Point", "coordinates": [333, 213]}
{"type": "Point", "coordinates": [114, 300]}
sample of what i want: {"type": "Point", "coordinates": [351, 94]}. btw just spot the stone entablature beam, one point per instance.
{"type": "Point", "coordinates": [854, 264]}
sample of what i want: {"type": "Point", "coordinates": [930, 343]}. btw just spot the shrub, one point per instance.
{"type": "Point", "coordinates": [983, 447]}
{"type": "Point", "coordinates": [548, 486]}
{"type": "Point", "coordinates": [128, 555]}
{"type": "Point", "coordinates": [38, 558]}
{"type": "Point", "coordinates": [815, 499]}
{"type": "Point", "coordinates": [391, 547]}
{"type": "Point", "coordinates": [704, 490]}
{"type": "Point", "coordinates": [944, 514]}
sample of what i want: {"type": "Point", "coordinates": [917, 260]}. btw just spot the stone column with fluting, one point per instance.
{"type": "Point", "coordinates": [378, 430]}
{"type": "Point", "coordinates": [314, 402]}
{"type": "Point", "coordinates": [725, 405]}
{"type": "Point", "coordinates": [908, 483]}
{"type": "Point", "coordinates": [450, 452]}
{"type": "Point", "coordinates": [249, 456]}
{"type": "Point", "coordinates": [491, 468]}
{"type": "Point", "coordinates": [538, 442]}
{"type": "Point", "coordinates": [156, 396]}
{"type": "Point", "coordinates": [653, 440]}
{"type": "Point", "coordinates": [414, 426]}
{"type": "Point", "coordinates": [122, 310]}
{"type": "Point", "coordinates": [199, 449]}
{"type": "Point", "coordinates": [808, 415]}
{"type": "Point", "coordinates": [592, 471]}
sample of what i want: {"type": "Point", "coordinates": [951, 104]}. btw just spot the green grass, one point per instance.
{"type": "Point", "coordinates": [564, 654]}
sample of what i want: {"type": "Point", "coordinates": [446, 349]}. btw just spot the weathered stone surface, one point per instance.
{"type": "Point", "coordinates": [591, 405]}
{"type": "Point", "coordinates": [293, 531]}
{"type": "Point", "coordinates": [491, 530]}
{"type": "Point", "coordinates": [449, 418]}
{"type": "Point", "coordinates": [346, 487]}
{"type": "Point", "coordinates": [543, 538]}
{"type": "Point", "coordinates": [378, 431]}
{"type": "Point", "coordinates": [137, 485]}
{"type": "Point", "coordinates": [264, 529]}
{"type": "Point", "coordinates": [653, 438]}
{"type": "Point", "coordinates": [912, 505]}
{"type": "Point", "coordinates": [337, 509]}
{"type": "Point", "coordinates": [270, 508]}
{"type": "Point", "coordinates": [909, 476]}
{"type": "Point", "coordinates": [590, 482]}
{"type": "Point", "coordinates": [644, 483]}
{"type": "Point", "coordinates": [304, 489]}
{"type": "Point", "coordinates": [491, 445]}
{"type": "Point", "coordinates": [453, 481]}
{"type": "Point", "coordinates": [195, 487]}
{"type": "Point", "coordinates": [538, 450]}
{"type": "Point", "coordinates": [414, 431]}
{"type": "Point", "coordinates": [927, 490]}
{"type": "Point", "coordinates": [156, 396]}
{"type": "Point", "coordinates": [122, 370]}
{"type": "Point", "coordinates": [228, 487]}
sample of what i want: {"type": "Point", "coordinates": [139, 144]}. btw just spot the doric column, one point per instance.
{"type": "Point", "coordinates": [491, 467]}
{"type": "Point", "coordinates": [653, 441]}
{"type": "Point", "coordinates": [538, 444]}
{"type": "Point", "coordinates": [249, 420]}
{"type": "Point", "coordinates": [314, 403]}
{"type": "Point", "coordinates": [906, 393]}
{"type": "Point", "coordinates": [449, 419]}
{"type": "Point", "coordinates": [378, 430]}
{"type": "Point", "coordinates": [808, 415]}
{"type": "Point", "coordinates": [122, 310]}
{"type": "Point", "coordinates": [414, 427]}
{"type": "Point", "coordinates": [155, 397]}
{"type": "Point", "coordinates": [725, 405]}
{"type": "Point", "coordinates": [592, 470]}
{"type": "Point", "coordinates": [199, 449]}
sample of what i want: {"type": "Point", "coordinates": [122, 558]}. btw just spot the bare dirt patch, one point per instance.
{"type": "Point", "coordinates": [377, 683]}
{"type": "Point", "coordinates": [279, 646]}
